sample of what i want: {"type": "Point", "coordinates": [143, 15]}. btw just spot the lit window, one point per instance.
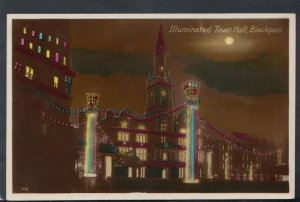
{"type": "Point", "coordinates": [32, 33]}
{"type": "Point", "coordinates": [57, 40]}
{"type": "Point", "coordinates": [142, 138]}
{"type": "Point", "coordinates": [41, 36]}
{"type": "Point", "coordinates": [55, 82]}
{"type": "Point", "coordinates": [165, 156]}
{"type": "Point", "coordinates": [141, 154]}
{"type": "Point", "coordinates": [65, 60]}
{"type": "Point", "coordinates": [163, 126]}
{"type": "Point", "coordinates": [163, 139]}
{"type": "Point", "coordinates": [48, 53]}
{"type": "Point", "coordinates": [181, 141]}
{"type": "Point", "coordinates": [68, 84]}
{"type": "Point", "coordinates": [49, 38]}
{"type": "Point", "coordinates": [22, 41]}
{"type": "Point", "coordinates": [56, 57]}
{"type": "Point", "coordinates": [181, 156]}
{"type": "Point", "coordinates": [123, 136]}
{"type": "Point", "coordinates": [65, 44]}
{"type": "Point", "coordinates": [29, 72]}
{"type": "Point", "coordinates": [39, 49]}
{"type": "Point", "coordinates": [123, 150]}
{"type": "Point", "coordinates": [30, 45]}
{"type": "Point", "coordinates": [162, 68]}
{"type": "Point", "coordinates": [24, 30]}
{"type": "Point", "coordinates": [163, 93]}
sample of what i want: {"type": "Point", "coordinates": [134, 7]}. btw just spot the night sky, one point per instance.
{"type": "Point", "coordinates": [244, 82]}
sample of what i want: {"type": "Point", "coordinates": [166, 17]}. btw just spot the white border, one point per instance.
{"type": "Point", "coordinates": [126, 196]}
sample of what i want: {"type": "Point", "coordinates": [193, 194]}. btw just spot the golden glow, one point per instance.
{"type": "Point", "coordinates": [108, 167]}
{"type": "Point", "coordinates": [48, 53]}
{"type": "Point", "coordinates": [123, 136]}
{"type": "Point", "coordinates": [163, 93]}
{"type": "Point", "coordinates": [141, 138]}
{"type": "Point", "coordinates": [55, 82]}
{"type": "Point", "coordinates": [24, 30]}
{"type": "Point", "coordinates": [87, 137]}
{"type": "Point", "coordinates": [141, 127]}
{"type": "Point", "coordinates": [124, 124]}
{"type": "Point", "coordinates": [29, 72]}
{"type": "Point", "coordinates": [30, 45]}
{"type": "Point", "coordinates": [65, 61]}
{"type": "Point", "coordinates": [141, 154]}
{"type": "Point", "coordinates": [182, 130]}
{"type": "Point", "coordinates": [57, 41]}
{"type": "Point", "coordinates": [163, 126]}
{"type": "Point", "coordinates": [229, 40]}
{"type": "Point", "coordinates": [123, 150]}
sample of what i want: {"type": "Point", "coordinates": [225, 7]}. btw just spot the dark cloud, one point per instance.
{"type": "Point", "coordinates": [106, 63]}
{"type": "Point", "coordinates": [268, 73]}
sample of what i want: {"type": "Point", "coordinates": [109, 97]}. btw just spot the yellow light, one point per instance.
{"type": "Point", "coordinates": [30, 45]}
{"type": "Point", "coordinates": [55, 82]}
{"type": "Point", "coordinates": [229, 40]}
{"type": "Point", "coordinates": [24, 30]}
{"type": "Point", "coordinates": [48, 53]}
{"type": "Point", "coordinates": [65, 60]}
{"type": "Point", "coordinates": [29, 72]}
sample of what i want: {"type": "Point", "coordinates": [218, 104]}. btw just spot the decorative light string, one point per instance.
{"type": "Point", "coordinates": [116, 114]}
{"type": "Point", "coordinates": [229, 140]}
{"type": "Point", "coordinates": [136, 117]}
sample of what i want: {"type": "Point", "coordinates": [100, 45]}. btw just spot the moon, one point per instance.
{"type": "Point", "coordinates": [228, 40]}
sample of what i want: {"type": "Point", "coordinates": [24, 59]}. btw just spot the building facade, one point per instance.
{"type": "Point", "coordinates": [44, 151]}
{"type": "Point", "coordinates": [159, 144]}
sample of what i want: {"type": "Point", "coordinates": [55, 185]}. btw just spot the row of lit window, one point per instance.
{"type": "Point", "coordinates": [181, 141]}
{"type": "Point", "coordinates": [230, 156]}
{"type": "Point", "coordinates": [141, 153]}
{"type": "Point", "coordinates": [29, 73]}
{"type": "Point", "coordinates": [229, 147]}
{"type": "Point", "coordinates": [124, 137]}
{"type": "Point", "coordinates": [230, 166]}
{"type": "Point", "coordinates": [41, 37]}
{"type": "Point", "coordinates": [47, 53]}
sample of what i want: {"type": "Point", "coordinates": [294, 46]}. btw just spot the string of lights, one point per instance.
{"type": "Point", "coordinates": [136, 117]}
{"type": "Point", "coordinates": [229, 140]}
{"type": "Point", "coordinates": [117, 114]}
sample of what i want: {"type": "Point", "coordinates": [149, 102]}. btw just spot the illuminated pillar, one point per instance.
{"type": "Point", "coordinates": [251, 172]}
{"type": "Point", "coordinates": [91, 136]}
{"type": "Point", "coordinates": [209, 164]}
{"type": "Point", "coordinates": [226, 167]}
{"type": "Point", "coordinates": [191, 90]}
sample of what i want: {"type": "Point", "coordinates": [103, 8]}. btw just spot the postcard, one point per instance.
{"type": "Point", "coordinates": [150, 106]}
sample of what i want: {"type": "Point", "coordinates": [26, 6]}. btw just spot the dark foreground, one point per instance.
{"type": "Point", "coordinates": [174, 186]}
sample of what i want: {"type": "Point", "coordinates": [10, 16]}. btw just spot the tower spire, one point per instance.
{"type": "Point", "coordinates": [160, 41]}
{"type": "Point", "coordinates": [159, 55]}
